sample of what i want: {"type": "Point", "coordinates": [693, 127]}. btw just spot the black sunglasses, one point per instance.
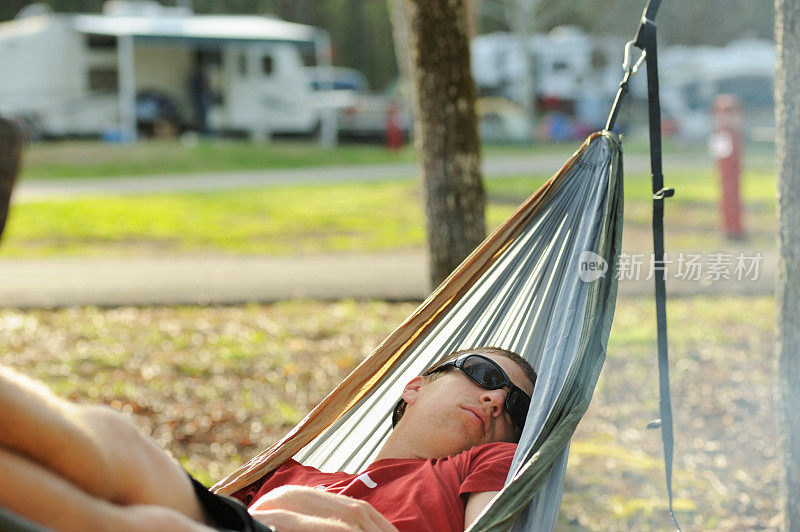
{"type": "Point", "coordinates": [489, 375]}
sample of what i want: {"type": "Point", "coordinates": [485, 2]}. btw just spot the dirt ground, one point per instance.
{"type": "Point", "coordinates": [214, 385]}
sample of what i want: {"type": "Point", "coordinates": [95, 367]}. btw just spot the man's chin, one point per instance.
{"type": "Point", "coordinates": [459, 447]}
{"type": "Point", "coordinates": [474, 438]}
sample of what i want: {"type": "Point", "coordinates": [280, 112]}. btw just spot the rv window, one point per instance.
{"type": "Point", "coordinates": [101, 42]}
{"type": "Point", "coordinates": [211, 57]}
{"type": "Point", "coordinates": [266, 64]}
{"type": "Point", "coordinates": [242, 64]}
{"type": "Point", "coordinates": [103, 79]}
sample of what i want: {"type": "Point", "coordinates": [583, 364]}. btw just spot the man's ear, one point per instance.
{"type": "Point", "coordinates": [411, 390]}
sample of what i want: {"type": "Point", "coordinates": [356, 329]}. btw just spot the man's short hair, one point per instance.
{"type": "Point", "coordinates": [430, 373]}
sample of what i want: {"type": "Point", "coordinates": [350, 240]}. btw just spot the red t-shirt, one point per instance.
{"type": "Point", "coordinates": [413, 494]}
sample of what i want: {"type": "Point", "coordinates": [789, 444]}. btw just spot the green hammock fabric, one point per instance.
{"type": "Point", "coordinates": [520, 290]}
{"type": "Point", "coordinates": [574, 398]}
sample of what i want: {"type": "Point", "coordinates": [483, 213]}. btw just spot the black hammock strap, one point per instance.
{"type": "Point", "coordinates": [646, 41]}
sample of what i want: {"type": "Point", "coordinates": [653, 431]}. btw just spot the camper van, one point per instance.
{"type": "Point", "coordinates": [143, 68]}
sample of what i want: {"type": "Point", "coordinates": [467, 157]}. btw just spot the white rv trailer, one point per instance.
{"type": "Point", "coordinates": [569, 66]}
{"type": "Point", "coordinates": [80, 74]}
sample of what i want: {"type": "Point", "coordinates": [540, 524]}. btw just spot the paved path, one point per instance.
{"type": "Point", "coordinates": [203, 280]}
{"type": "Point", "coordinates": [231, 280]}
{"type": "Point", "coordinates": [493, 167]}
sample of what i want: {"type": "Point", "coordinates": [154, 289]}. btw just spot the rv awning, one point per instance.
{"type": "Point", "coordinates": [198, 27]}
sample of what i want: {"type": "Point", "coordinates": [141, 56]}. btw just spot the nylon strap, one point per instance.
{"type": "Point", "coordinates": [646, 40]}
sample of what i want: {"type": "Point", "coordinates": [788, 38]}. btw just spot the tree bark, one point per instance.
{"type": "Point", "coordinates": [446, 131]}
{"type": "Point", "coordinates": [787, 147]}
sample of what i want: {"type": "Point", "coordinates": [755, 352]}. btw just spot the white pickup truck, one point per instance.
{"type": "Point", "coordinates": [360, 112]}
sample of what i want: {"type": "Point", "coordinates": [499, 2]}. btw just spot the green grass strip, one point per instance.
{"type": "Point", "coordinates": [337, 217]}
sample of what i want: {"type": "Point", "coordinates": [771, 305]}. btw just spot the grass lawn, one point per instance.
{"type": "Point", "coordinates": [95, 159]}
{"type": "Point", "coordinates": [278, 220]}
{"type": "Point", "coordinates": [89, 159]}
{"type": "Point", "coordinates": [343, 217]}
{"type": "Point", "coordinates": [216, 384]}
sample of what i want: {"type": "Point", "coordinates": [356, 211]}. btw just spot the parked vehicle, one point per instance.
{"type": "Point", "coordinates": [571, 71]}
{"type": "Point", "coordinates": [693, 76]}
{"type": "Point", "coordinates": [326, 78]}
{"type": "Point", "coordinates": [369, 113]}
{"type": "Point", "coordinates": [360, 112]}
{"type": "Point", "coordinates": [501, 120]}
{"type": "Point", "coordinates": [92, 74]}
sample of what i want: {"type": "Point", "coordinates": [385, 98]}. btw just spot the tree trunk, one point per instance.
{"type": "Point", "coordinates": [787, 146]}
{"type": "Point", "coordinates": [446, 131]}
{"type": "Point", "coordinates": [397, 14]}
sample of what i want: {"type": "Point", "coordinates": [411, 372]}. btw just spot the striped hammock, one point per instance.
{"type": "Point", "coordinates": [543, 285]}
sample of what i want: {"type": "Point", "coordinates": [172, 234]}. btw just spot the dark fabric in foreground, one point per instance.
{"type": "Point", "coordinates": [11, 522]}
{"type": "Point", "coordinates": [225, 513]}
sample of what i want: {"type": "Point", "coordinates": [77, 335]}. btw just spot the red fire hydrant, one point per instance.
{"type": "Point", "coordinates": [394, 133]}
{"type": "Point", "coordinates": [725, 145]}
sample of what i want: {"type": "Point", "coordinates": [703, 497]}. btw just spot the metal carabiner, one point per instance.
{"type": "Point", "coordinates": [626, 62]}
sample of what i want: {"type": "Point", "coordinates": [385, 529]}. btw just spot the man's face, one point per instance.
{"type": "Point", "coordinates": [455, 413]}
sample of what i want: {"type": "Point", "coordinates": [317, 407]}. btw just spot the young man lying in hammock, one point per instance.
{"type": "Point", "coordinates": [73, 467]}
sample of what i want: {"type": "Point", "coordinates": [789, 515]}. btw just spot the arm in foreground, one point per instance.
{"type": "Point", "coordinates": [93, 448]}
{"type": "Point", "coordinates": [32, 491]}
{"type": "Point", "coordinates": [86, 467]}
{"type": "Point", "coordinates": [298, 508]}
{"type": "Point", "coordinates": [475, 505]}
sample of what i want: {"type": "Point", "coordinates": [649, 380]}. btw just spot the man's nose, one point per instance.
{"type": "Point", "coordinates": [494, 398]}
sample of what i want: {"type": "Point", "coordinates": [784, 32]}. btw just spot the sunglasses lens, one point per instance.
{"type": "Point", "coordinates": [490, 376]}
{"type": "Point", "coordinates": [517, 404]}
{"type": "Point", "coordinates": [483, 372]}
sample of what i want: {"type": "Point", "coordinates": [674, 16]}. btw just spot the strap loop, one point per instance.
{"type": "Point", "coordinates": [664, 193]}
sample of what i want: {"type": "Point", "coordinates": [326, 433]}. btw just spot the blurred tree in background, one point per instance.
{"type": "Point", "coordinates": [446, 131]}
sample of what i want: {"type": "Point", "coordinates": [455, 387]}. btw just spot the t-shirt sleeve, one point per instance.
{"type": "Point", "coordinates": [487, 467]}
{"type": "Point", "coordinates": [248, 494]}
